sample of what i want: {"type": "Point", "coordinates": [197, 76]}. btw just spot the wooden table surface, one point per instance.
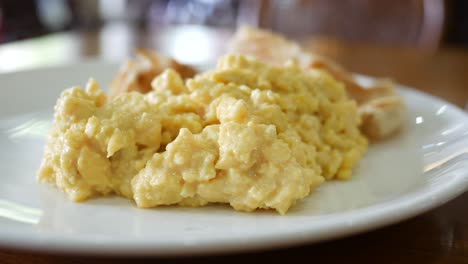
{"type": "Point", "coordinates": [439, 236]}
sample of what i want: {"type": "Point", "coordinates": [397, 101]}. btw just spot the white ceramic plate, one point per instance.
{"type": "Point", "coordinates": [419, 169]}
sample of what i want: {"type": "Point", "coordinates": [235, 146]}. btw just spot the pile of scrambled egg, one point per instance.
{"type": "Point", "coordinates": [246, 133]}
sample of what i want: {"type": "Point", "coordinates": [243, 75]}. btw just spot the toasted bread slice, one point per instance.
{"type": "Point", "coordinates": [137, 74]}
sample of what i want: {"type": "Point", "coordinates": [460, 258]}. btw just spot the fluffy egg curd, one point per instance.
{"type": "Point", "coordinates": [246, 133]}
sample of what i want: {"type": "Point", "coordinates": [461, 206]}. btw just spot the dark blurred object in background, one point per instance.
{"type": "Point", "coordinates": [419, 23]}
{"type": "Point", "coordinates": [457, 23]}
{"type": "Point", "coordinates": [19, 20]}
{"type": "Point", "coordinates": [399, 22]}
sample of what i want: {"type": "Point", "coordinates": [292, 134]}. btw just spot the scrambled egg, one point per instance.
{"type": "Point", "coordinates": [246, 133]}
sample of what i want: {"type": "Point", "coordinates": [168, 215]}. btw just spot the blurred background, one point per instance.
{"type": "Point", "coordinates": [421, 23]}
{"type": "Point", "coordinates": [421, 43]}
{"type": "Point", "coordinates": [196, 31]}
